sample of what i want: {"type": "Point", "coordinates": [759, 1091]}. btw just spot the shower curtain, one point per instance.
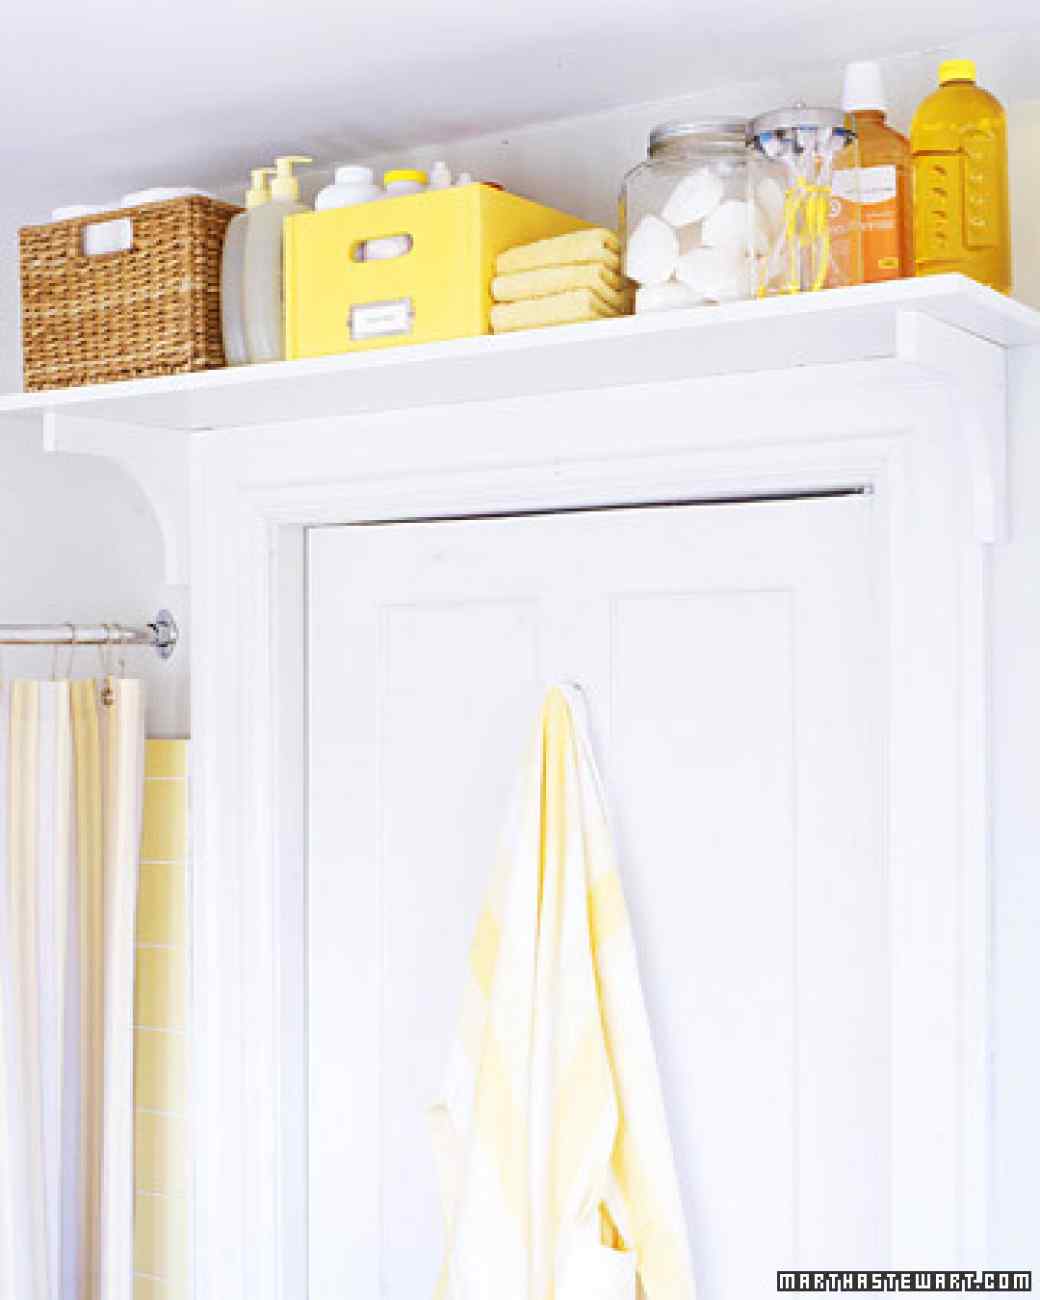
{"type": "Point", "coordinates": [71, 781]}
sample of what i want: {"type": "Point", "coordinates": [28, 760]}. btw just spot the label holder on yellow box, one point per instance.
{"type": "Point", "coordinates": [438, 288]}
{"type": "Point", "coordinates": [392, 318]}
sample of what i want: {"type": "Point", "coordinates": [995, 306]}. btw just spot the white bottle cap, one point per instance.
{"type": "Point", "coordinates": [354, 174]}
{"type": "Point", "coordinates": [72, 210]}
{"type": "Point", "coordinates": [864, 88]}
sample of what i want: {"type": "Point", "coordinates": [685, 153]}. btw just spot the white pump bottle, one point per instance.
{"type": "Point", "coordinates": [263, 280]}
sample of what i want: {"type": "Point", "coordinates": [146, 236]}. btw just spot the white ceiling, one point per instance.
{"type": "Point", "coordinates": [117, 94]}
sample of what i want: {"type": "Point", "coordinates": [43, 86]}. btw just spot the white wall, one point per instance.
{"type": "Point", "coordinates": [79, 541]}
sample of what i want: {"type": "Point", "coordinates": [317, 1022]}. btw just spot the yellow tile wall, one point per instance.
{"type": "Point", "coordinates": [162, 1158]}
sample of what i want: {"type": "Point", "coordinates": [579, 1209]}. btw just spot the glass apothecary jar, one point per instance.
{"type": "Point", "coordinates": [804, 175]}
{"type": "Point", "coordinates": [686, 221]}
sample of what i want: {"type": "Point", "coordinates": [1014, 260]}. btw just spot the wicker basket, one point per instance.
{"type": "Point", "coordinates": [152, 310]}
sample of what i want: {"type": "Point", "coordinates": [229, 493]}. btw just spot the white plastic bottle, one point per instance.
{"type": "Point", "coordinates": [263, 279]}
{"type": "Point", "coordinates": [440, 176]}
{"type": "Point", "coordinates": [353, 184]}
{"type": "Point", "coordinates": [233, 270]}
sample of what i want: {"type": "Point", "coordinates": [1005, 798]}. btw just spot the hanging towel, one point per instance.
{"type": "Point", "coordinates": [556, 1166]}
{"type": "Point", "coordinates": [555, 309]}
{"type": "Point", "coordinates": [600, 279]}
{"type": "Point", "coordinates": [596, 245]}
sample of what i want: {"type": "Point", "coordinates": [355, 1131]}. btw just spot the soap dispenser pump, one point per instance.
{"type": "Point", "coordinates": [264, 288]}
{"type": "Point", "coordinates": [259, 187]}
{"type": "Point", "coordinates": [233, 269]}
{"type": "Point", "coordinates": [285, 188]}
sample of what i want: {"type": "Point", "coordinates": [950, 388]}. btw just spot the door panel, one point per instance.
{"type": "Point", "coordinates": [728, 656]}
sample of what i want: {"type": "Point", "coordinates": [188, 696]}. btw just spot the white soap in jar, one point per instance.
{"type": "Point", "coordinates": [664, 297]}
{"type": "Point", "coordinates": [652, 251]}
{"type": "Point", "coordinates": [695, 196]}
{"type": "Point", "coordinates": [736, 224]}
{"type": "Point", "coordinates": [715, 274]}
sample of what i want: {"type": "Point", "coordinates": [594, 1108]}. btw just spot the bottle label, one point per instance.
{"type": "Point", "coordinates": [874, 191]}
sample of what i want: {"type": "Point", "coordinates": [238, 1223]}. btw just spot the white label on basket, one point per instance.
{"type": "Point", "coordinates": [379, 320]}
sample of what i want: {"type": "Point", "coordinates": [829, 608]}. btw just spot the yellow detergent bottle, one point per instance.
{"type": "Point", "coordinates": [958, 141]}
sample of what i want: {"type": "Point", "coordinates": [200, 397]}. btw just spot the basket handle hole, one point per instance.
{"type": "Point", "coordinates": [101, 237]}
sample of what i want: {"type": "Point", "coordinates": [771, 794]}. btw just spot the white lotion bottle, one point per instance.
{"type": "Point", "coordinates": [353, 184]}
{"type": "Point", "coordinates": [264, 280]}
{"type": "Point", "coordinates": [233, 270]}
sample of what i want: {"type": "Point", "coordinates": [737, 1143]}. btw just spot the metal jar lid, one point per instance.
{"type": "Point", "coordinates": [670, 132]}
{"type": "Point", "coordinates": [797, 117]}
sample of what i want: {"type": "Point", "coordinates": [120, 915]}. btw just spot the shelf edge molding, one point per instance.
{"type": "Point", "coordinates": [840, 326]}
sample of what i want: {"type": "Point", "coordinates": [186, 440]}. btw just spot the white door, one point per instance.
{"type": "Point", "coordinates": [729, 655]}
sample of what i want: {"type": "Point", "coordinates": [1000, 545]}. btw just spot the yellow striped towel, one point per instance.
{"type": "Point", "coordinates": [555, 309]}
{"type": "Point", "coordinates": [521, 285]}
{"type": "Point", "coordinates": [556, 1165]}
{"type": "Point", "coordinates": [596, 245]}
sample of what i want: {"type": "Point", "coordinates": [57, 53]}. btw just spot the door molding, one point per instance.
{"type": "Point", "coordinates": [883, 426]}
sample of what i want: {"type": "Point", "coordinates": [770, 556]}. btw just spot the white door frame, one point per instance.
{"type": "Point", "coordinates": [927, 441]}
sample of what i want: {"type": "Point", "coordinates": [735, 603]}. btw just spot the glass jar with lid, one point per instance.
{"type": "Point", "coordinates": [688, 227]}
{"type": "Point", "coordinates": [805, 180]}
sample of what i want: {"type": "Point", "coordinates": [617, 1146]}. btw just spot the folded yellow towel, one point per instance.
{"type": "Point", "coordinates": [556, 309]}
{"type": "Point", "coordinates": [597, 245]}
{"type": "Point", "coordinates": [558, 279]}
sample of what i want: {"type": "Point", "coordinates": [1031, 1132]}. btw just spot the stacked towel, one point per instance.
{"type": "Point", "coordinates": [573, 277]}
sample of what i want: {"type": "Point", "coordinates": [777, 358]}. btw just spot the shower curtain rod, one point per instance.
{"type": "Point", "coordinates": [161, 634]}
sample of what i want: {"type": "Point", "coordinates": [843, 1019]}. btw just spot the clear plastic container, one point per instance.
{"type": "Point", "coordinates": [688, 228]}
{"type": "Point", "coordinates": [805, 177]}
{"type": "Point", "coordinates": [263, 273]}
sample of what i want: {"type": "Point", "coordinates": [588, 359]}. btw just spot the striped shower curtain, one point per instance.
{"type": "Point", "coordinates": [71, 779]}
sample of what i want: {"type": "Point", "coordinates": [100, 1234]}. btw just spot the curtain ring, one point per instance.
{"type": "Point", "coordinates": [56, 651]}
{"type": "Point", "coordinates": [72, 648]}
{"type": "Point", "coordinates": [108, 695]}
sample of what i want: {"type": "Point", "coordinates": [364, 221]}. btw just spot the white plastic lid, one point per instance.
{"type": "Point", "coordinates": [160, 194]}
{"type": "Point", "coordinates": [864, 88]}
{"type": "Point", "coordinates": [72, 210]}
{"type": "Point", "coordinates": [354, 174]}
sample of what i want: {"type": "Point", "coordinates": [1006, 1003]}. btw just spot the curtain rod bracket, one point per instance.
{"type": "Point", "coordinates": [167, 633]}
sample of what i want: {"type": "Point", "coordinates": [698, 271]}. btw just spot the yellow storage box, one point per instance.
{"type": "Point", "coordinates": [440, 288]}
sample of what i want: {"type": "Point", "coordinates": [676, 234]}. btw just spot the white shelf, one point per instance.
{"type": "Point", "coordinates": [865, 323]}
